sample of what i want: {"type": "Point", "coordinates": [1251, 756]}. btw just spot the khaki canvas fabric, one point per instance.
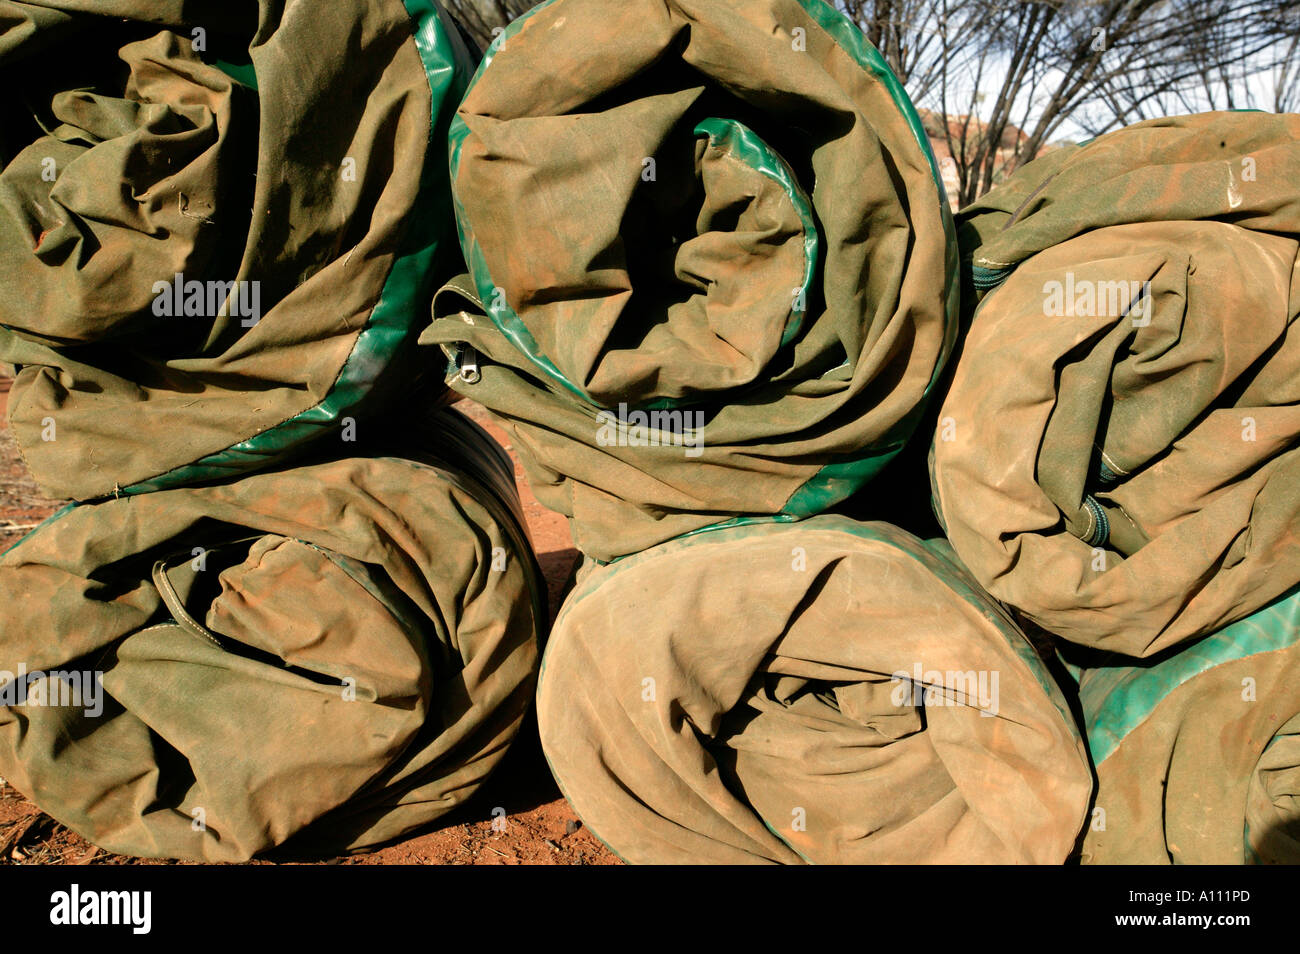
{"type": "Point", "coordinates": [323, 657]}
{"type": "Point", "coordinates": [218, 229]}
{"type": "Point", "coordinates": [1117, 454]}
{"type": "Point", "coordinates": [1198, 752]}
{"type": "Point", "coordinates": [827, 691]}
{"type": "Point", "coordinates": [711, 263]}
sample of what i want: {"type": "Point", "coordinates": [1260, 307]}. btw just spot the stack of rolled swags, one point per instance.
{"type": "Point", "coordinates": [279, 614]}
{"type": "Point", "coordinates": [712, 284]}
{"type": "Point", "coordinates": [1121, 466]}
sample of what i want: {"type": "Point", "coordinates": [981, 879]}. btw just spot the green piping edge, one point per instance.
{"type": "Point", "coordinates": [1131, 694]}
{"type": "Point", "coordinates": [239, 72]}
{"type": "Point", "coordinates": [984, 278]}
{"type": "Point", "coordinates": [780, 837]}
{"type": "Point", "coordinates": [394, 315]}
{"type": "Point", "coordinates": [1250, 854]}
{"type": "Point", "coordinates": [745, 145]}
{"type": "Point", "coordinates": [834, 483]}
{"type": "Point", "coordinates": [66, 508]}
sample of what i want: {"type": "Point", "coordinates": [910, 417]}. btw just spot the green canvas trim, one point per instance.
{"type": "Point", "coordinates": [1123, 698]}
{"type": "Point", "coordinates": [239, 72]}
{"type": "Point", "coordinates": [780, 837]}
{"type": "Point", "coordinates": [1073, 669]}
{"type": "Point", "coordinates": [984, 278]}
{"type": "Point", "coordinates": [40, 526]}
{"type": "Point", "coordinates": [395, 314]}
{"type": "Point", "coordinates": [745, 145]}
{"type": "Point", "coordinates": [836, 482]}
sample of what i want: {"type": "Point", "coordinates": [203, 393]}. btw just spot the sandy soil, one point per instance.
{"type": "Point", "coordinates": [540, 827]}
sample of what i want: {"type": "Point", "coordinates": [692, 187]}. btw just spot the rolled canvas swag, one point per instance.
{"type": "Point", "coordinates": [827, 691]}
{"type": "Point", "coordinates": [1125, 472]}
{"type": "Point", "coordinates": [711, 267]}
{"type": "Point", "coordinates": [219, 230]}
{"type": "Point", "coordinates": [325, 656]}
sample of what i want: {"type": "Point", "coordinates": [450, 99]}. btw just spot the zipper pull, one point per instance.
{"type": "Point", "coordinates": [467, 360]}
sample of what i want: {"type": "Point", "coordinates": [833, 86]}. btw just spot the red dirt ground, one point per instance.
{"type": "Point", "coordinates": [540, 827]}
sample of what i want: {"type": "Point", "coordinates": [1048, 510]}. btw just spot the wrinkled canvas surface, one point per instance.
{"type": "Point", "coordinates": [325, 656]}
{"type": "Point", "coordinates": [1124, 473]}
{"type": "Point", "coordinates": [296, 155]}
{"type": "Point", "coordinates": [731, 697]}
{"type": "Point", "coordinates": [1198, 751]}
{"type": "Point", "coordinates": [726, 216]}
